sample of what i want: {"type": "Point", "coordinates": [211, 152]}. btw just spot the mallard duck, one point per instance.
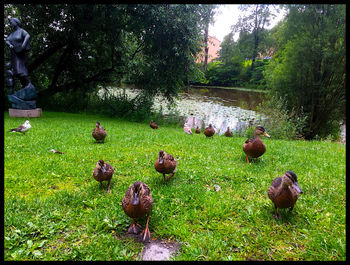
{"type": "Point", "coordinates": [22, 128]}
{"type": "Point", "coordinates": [254, 147]}
{"type": "Point", "coordinates": [99, 133]}
{"type": "Point", "coordinates": [153, 125]}
{"type": "Point", "coordinates": [228, 133]}
{"type": "Point", "coordinates": [165, 164]}
{"type": "Point", "coordinates": [209, 131]}
{"type": "Point", "coordinates": [103, 171]}
{"type": "Point", "coordinates": [187, 129]}
{"type": "Point", "coordinates": [284, 191]}
{"type": "Point", "coordinates": [136, 203]}
{"type": "Point", "coordinates": [198, 130]}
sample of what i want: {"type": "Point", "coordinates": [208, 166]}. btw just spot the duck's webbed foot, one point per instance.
{"type": "Point", "coordinates": [145, 236]}
{"type": "Point", "coordinates": [172, 174]}
{"type": "Point", "coordinates": [276, 216]}
{"type": "Point", "coordinates": [109, 186]}
{"type": "Point", "coordinates": [135, 228]}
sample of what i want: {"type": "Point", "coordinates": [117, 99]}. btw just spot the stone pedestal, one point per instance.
{"type": "Point", "coordinates": [30, 113]}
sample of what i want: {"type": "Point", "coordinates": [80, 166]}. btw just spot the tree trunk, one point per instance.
{"type": "Point", "coordinates": [206, 48]}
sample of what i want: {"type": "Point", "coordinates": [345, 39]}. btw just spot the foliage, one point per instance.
{"type": "Point", "coordinates": [253, 24]}
{"type": "Point", "coordinates": [220, 74]}
{"type": "Point", "coordinates": [55, 210]}
{"type": "Point", "coordinates": [280, 123]}
{"type": "Point", "coordinates": [310, 70]}
{"type": "Point", "coordinates": [78, 47]}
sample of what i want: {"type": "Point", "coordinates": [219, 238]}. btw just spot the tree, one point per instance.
{"type": "Point", "coordinates": [257, 18]}
{"type": "Point", "coordinates": [207, 16]}
{"type": "Point", "coordinates": [77, 47]}
{"type": "Point", "coordinates": [309, 72]}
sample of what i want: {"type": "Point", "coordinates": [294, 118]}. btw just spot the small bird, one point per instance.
{"type": "Point", "coordinates": [99, 133]}
{"type": "Point", "coordinates": [153, 125]}
{"type": "Point", "coordinates": [187, 129]}
{"type": "Point", "coordinates": [254, 147]}
{"type": "Point", "coordinates": [55, 151]}
{"type": "Point", "coordinates": [209, 131]}
{"type": "Point", "coordinates": [165, 164]}
{"type": "Point", "coordinates": [284, 191]}
{"type": "Point", "coordinates": [22, 128]}
{"type": "Point", "coordinates": [136, 203]}
{"type": "Point", "coordinates": [198, 130]}
{"type": "Point", "coordinates": [228, 133]}
{"type": "Point", "coordinates": [103, 171]}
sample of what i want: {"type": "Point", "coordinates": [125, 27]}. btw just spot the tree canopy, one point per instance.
{"type": "Point", "coordinates": [77, 47]}
{"type": "Point", "coordinates": [308, 72]}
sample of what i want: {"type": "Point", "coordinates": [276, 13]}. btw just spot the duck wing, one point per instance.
{"type": "Point", "coordinates": [275, 188]}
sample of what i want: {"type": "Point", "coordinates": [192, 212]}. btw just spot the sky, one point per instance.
{"type": "Point", "coordinates": [226, 16]}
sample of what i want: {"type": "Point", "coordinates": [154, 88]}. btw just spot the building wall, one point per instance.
{"type": "Point", "coordinates": [213, 50]}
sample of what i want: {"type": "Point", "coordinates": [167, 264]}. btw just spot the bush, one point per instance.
{"type": "Point", "coordinates": [119, 105]}
{"type": "Point", "coordinates": [280, 123]}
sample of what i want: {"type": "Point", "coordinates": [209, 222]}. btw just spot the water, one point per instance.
{"type": "Point", "coordinates": [221, 107]}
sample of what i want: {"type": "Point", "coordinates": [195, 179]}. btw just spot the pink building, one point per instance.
{"type": "Point", "coordinates": [213, 50]}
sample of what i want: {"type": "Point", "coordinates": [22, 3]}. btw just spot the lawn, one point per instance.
{"type": "Point", "coordinates": [55, 210]}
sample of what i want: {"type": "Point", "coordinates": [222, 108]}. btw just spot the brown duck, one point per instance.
{"type": "Point", "coordinates": [153, 125]}
{"type": "Point", "coordinates": [102, 172]}
{"type": "Point", "coordinates": [99, 133]}
{"type": "Point", "coordinates": [254, 147]}
{"type": "Point", "coordinates": [165, 164]}
{"type": "Point", "coordinates": [209, 131]}
{"type": "Point", "coordinates": [136, 203]}
{"type": "Point", "coordinates": [228, 133]}
{"type": "Point", "coordinates": [198, 130]}
{"type": "Point", "coordinates": [284, 191]}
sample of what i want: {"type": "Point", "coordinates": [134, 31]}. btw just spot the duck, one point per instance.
{"type": "Point", "coordinates": [102, 172]}
{"type": "Point", "coordinates": [254, 147]}
{"type": "Point", "coordinates": [209, 131]}
{"type": "Point", "coordinates": [137, 203]}
{"type": "Point", "coordinates": [153, 125]}
{"type": "Point", "coordinates": [198, 130]}
{"type": "Point", "coordinates": [165, 164]}
{"type": "Point", "coordinates": [228, 133]}
{"type": "Point", "coordinates": [99, 133]}
{"type": "Point", "coordinates": [284, 191]}
{"type": "Point", "coordinates": [187, 129]}
{"type": "Point", "coordinates": [22, 128]}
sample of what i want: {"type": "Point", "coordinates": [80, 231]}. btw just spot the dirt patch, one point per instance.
{"type": "Point", "coordinates": [159, 250]}
{"type": "Point", "coordinates": [156, 249]}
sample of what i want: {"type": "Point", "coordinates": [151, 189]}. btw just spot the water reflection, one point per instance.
{"type": "Point", "coordinates": [229, 97]}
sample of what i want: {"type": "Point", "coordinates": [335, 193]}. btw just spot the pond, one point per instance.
{"type": "Point", "coordinates": [200, 106]}
{"type": "Point", "coordinates": [222, 107]}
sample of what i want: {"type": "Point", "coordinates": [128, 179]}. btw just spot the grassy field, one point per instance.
{"type": "Point", "coordinates": [55, 210]}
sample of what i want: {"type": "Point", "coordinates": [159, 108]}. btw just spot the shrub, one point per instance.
{"type": "Point", "coordinates": [280, 123]}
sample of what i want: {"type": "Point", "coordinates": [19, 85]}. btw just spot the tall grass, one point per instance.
{"type": "Point", "coordinates": [55, 210]}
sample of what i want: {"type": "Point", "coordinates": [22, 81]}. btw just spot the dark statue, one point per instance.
{"type": "Point", "coordinates": [18, 41]}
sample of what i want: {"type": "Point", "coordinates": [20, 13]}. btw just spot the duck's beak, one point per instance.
{"type": "Point", "coordinates": [298, 188]}
{"type": "Point", "coordinates": [136, 199]}
{"type": "Point", "coordinates": [103, 169]}
{"type": "Point", "coordinates": [265, 134]}
{"type": "Point", "coordinates": [161, 160]}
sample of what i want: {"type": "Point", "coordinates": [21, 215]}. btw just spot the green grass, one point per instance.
{"type": "Point", "coordinates": [55, 210]}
